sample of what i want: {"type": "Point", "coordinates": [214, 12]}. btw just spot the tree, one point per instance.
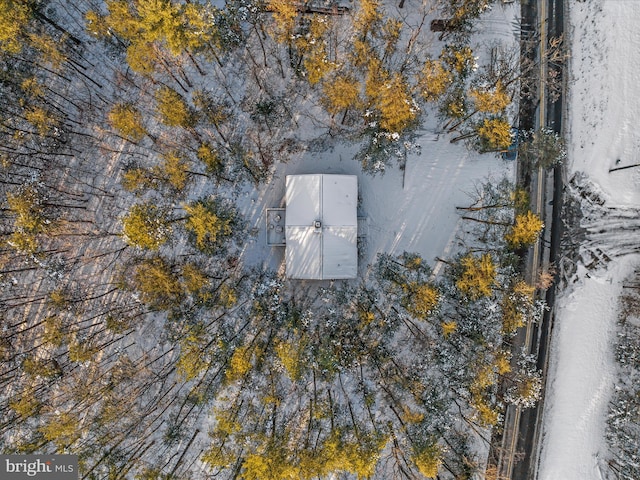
{"type": "Point", "coordinates": [526, 230]}
{"type": "Point", "coordinates": [127, 119]}
{"type": "Point", "coordinates": [313, 47]}
{"type": "Point", "coordinates": [491, 100]}
{"type": "Point", "coordinates": [516, 306]}
{"type": "Point", "coordinates": [525, 387]}
{"type": "Point", "coordinates": [146, 226]}
{"type": "Point", "coordinates": [44, 121]}
{"type": "Point", "coordinates": [174, 111]}
{"type": "Point", "coordinates": [397, 109]}
{"type": "Point", "coordinates": [27, 205]}
{"type": "Point", "coordinates": [421, 299]}
{"type": "Point", "coordinates": [239, 364]}
{"type": "Point", "coordinates": [428, 459]}
{"type": "Point", "coordinates": [138, 180]}
{"type": "Point", "coordinates": [174, 171]}
{"type": "Point", "coordinates": [209, 224]}
{"type": "Point", "coordinates": [14, 17]}
{"type": "Point", "coordinates": [478, 276]}
{"type": "Point", "coordinates": [209, 156]}
{"type": "Point", "coordinates": [271, 464]}
{"type": "Point", "coordinates": [458, 59]}
{"type": "Point", "coordinates": [157, 284]}
{"type": "Point", "coordinates": [285, 13]}
{"type": "Point", "coordinates": [62, 428]}
{"type": "Point", "coordinates": [434, 80]}
{"type": "Point", "coordinates": [193, 359]}
{"type": "Point", "coordinates": [49, 49]}
{"type": "Point", "coordinates": [340, 93]}
{"type": "Point", "coordinates": [290, 353]}
{"type": "Point", "coordinates": [367, 17]}
{"type": "Point", "coordinates": [494, 134]}
{"type": "Point", "coordinates": [177, 27]}
{"type": "Point", "coordinates": [142, 57]}
{"type": "Point", "coordinates": [543, 148]}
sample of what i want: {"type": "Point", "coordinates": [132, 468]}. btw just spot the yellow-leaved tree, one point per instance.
{"type": "Point", "coordinates": [314, 48]}
{"type": "Point", "coordinates": [208, 224]}
{"type": "Point", "coordinates": [491, 100]}
{"type": "Point", "coordinates": [478, 276]}
{"type": "Point", "coordinates": [157, 284]}
{"type": "Point", "coordinates": [14, 18]}
{"type": "Point", "coordinates": [340, 93]}
{"type": "Point", "coordinates": [193, 359]}
{"type": "Point", "coordinates": [428, 459]}
{"type": "Point", "coordinates": [272, 462]}
{"type": "Point", "coordinates": [210, 157]}
{"type": "Point", "coordinates": [421, 299]}
{"type": "Point", "coordinates": [367, 17]}
{"type": "Point", "coordinates": [397, 108]}
{"type": "Point", "coordinates": [434, 80]}
{"type": "Point", "coordinates": [174, 171]}
{"type": "Point", "coordinates": [494, 133]}
{"type": "Point", "coordinates": [41, 118]}
{"type": "Point", "coordinates": [127, 120]}
{"type": "Point", "coordinates": [239, 364]}
{"type": "Point", "coordinates": [173, 110]}
{"type": "Point", "coordinates": [525, 231]}
{"type": "Point", "coordinates": [61, 428]}
{"type": "Point", "coordinates": [285, 13]}
{"type": "Point", "coordinates": [28, 208]}
{"type": "Point", "coordinates": [146, 226]}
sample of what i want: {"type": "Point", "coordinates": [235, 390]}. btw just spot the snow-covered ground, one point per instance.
{"type": "Point", "coordinates": [406, 211]}
{"type": "Point", "coordinates": [604, 108]}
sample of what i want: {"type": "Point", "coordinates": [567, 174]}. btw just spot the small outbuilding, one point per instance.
{"type": "Point", "coordinates": [321, 226]}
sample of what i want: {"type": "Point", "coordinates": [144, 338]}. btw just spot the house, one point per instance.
{"type": "Point", "coordinates": [321, 226]}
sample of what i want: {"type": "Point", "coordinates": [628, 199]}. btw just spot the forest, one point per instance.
{"type": "Point", "coordinates": [133, 334]}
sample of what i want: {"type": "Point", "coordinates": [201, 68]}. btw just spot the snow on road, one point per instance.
{"type": "Point", "coordinates": [603, 133]}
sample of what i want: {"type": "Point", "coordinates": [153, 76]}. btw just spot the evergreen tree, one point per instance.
{"type": "Point", "coordinates": [543, 148]}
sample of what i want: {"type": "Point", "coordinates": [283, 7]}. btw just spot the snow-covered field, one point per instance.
{"type": "Point", "coordinates": [604, 107]}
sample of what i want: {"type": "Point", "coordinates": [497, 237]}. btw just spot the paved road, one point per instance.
{"type": "Point", "coordinates": [520, 445]}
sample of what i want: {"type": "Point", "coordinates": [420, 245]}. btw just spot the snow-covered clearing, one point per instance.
{"type": "Point", "coordinates": [602, 134]}
{"type": "Point", "coordinates": [405, 211]}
